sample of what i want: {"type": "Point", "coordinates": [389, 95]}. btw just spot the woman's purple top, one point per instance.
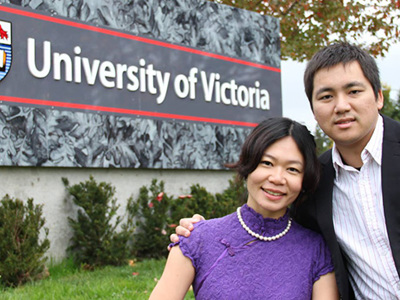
{"type": "Point", "coordinates": [231, 264]}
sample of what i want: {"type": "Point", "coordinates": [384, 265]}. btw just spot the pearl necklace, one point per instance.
{"type": "Point", "coordinates": [260, 237]}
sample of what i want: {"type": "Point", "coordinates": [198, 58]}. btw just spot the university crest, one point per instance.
{"type": "Point", "coordinates": [5, 48]}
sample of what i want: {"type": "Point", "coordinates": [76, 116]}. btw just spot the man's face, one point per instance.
{"type": "Point", "coordinates": [344, 105]}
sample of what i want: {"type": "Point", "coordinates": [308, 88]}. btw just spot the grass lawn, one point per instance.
{"type": "Point", "coordinates": [67, 282]}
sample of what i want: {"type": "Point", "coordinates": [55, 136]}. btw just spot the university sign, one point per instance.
{"type": "Point", "coordinates": [69, 65]}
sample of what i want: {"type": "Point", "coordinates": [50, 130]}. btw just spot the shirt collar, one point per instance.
{"type": "Point", "coordinates": [372, 149]}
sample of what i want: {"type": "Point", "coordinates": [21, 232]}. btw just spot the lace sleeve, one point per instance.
{"type": "Point", "coordinates": [322, 261]}
{"type": "Point", "coordinates": [191, 246]}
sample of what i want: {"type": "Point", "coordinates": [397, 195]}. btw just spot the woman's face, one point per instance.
{"type": "Point", "coordinates": [277, 180]}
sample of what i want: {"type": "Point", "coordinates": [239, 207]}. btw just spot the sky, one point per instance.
{"type": "Point", "coordinates": [295, 103]}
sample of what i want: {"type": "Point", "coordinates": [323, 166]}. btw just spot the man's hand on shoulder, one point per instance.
{"type": "Point", "coordinates": [185, 227]}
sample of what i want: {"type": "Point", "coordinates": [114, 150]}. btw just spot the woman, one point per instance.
{"type": "Point", "coordinates": [258, 252]}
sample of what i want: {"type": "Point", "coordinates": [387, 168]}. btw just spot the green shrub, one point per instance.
{"type": "Point", "coordinates": [233, 196]}
{"type": "Point", "coordinates": [200, 201]}
{"type": "Point", "coordinates": [21, 251]}
{"type": "Point", "coordinates": [151, 212]}
{"type": "Point", "coordinates": [96, 241]}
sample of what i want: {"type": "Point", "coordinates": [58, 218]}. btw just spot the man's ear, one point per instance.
{"type": "Point", "coordinates": [379, 100]}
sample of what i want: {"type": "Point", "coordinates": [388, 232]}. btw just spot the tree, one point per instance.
{"type": "Point", "coordinates": [309, 25]}
{"type": "Point", "coordinates": [391, 107]}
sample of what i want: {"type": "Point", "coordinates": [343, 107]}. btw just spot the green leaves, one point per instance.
{"type": "Point", "coordinates": [151, 212]}
{"type": "Point", "coordinates": [96, 240]}
{"type": "Point", "coordinates": [21, 250]}
{"type": "Point", "coordinates": [391, 107]}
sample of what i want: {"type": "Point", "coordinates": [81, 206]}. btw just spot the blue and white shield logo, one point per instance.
{"type": "Point", "coordinates": [5, 48]}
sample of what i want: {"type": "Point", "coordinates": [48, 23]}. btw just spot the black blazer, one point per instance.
{"type": "Point", "coordinates": [316, 212]}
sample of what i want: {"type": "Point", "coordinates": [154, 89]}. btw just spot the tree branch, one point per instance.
{"type": "Point", "coordinates": [290, 8]}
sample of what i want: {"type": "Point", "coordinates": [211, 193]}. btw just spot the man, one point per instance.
{"type": "Point", "coordinates": [356, 206]}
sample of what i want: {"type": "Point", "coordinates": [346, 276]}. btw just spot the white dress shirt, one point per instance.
{"type": "Point", "coordinates": [359, 223]}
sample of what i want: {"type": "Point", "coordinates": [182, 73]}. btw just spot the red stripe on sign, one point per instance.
{"type": "Point", "coordinates": [133, 37]}
{"type": "Point", "coordinates": [122, 111]}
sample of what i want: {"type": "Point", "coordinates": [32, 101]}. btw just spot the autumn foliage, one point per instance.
{"type": "Point", "coordinates": [307, 26]}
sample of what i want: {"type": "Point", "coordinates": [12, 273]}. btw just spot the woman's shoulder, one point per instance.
{"type": "Point", "coordinates": [307, 234]}
{"type": "Point", "coordinates": [216, 223]}
{"type": "Point", "coordinates": [311, 244]}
